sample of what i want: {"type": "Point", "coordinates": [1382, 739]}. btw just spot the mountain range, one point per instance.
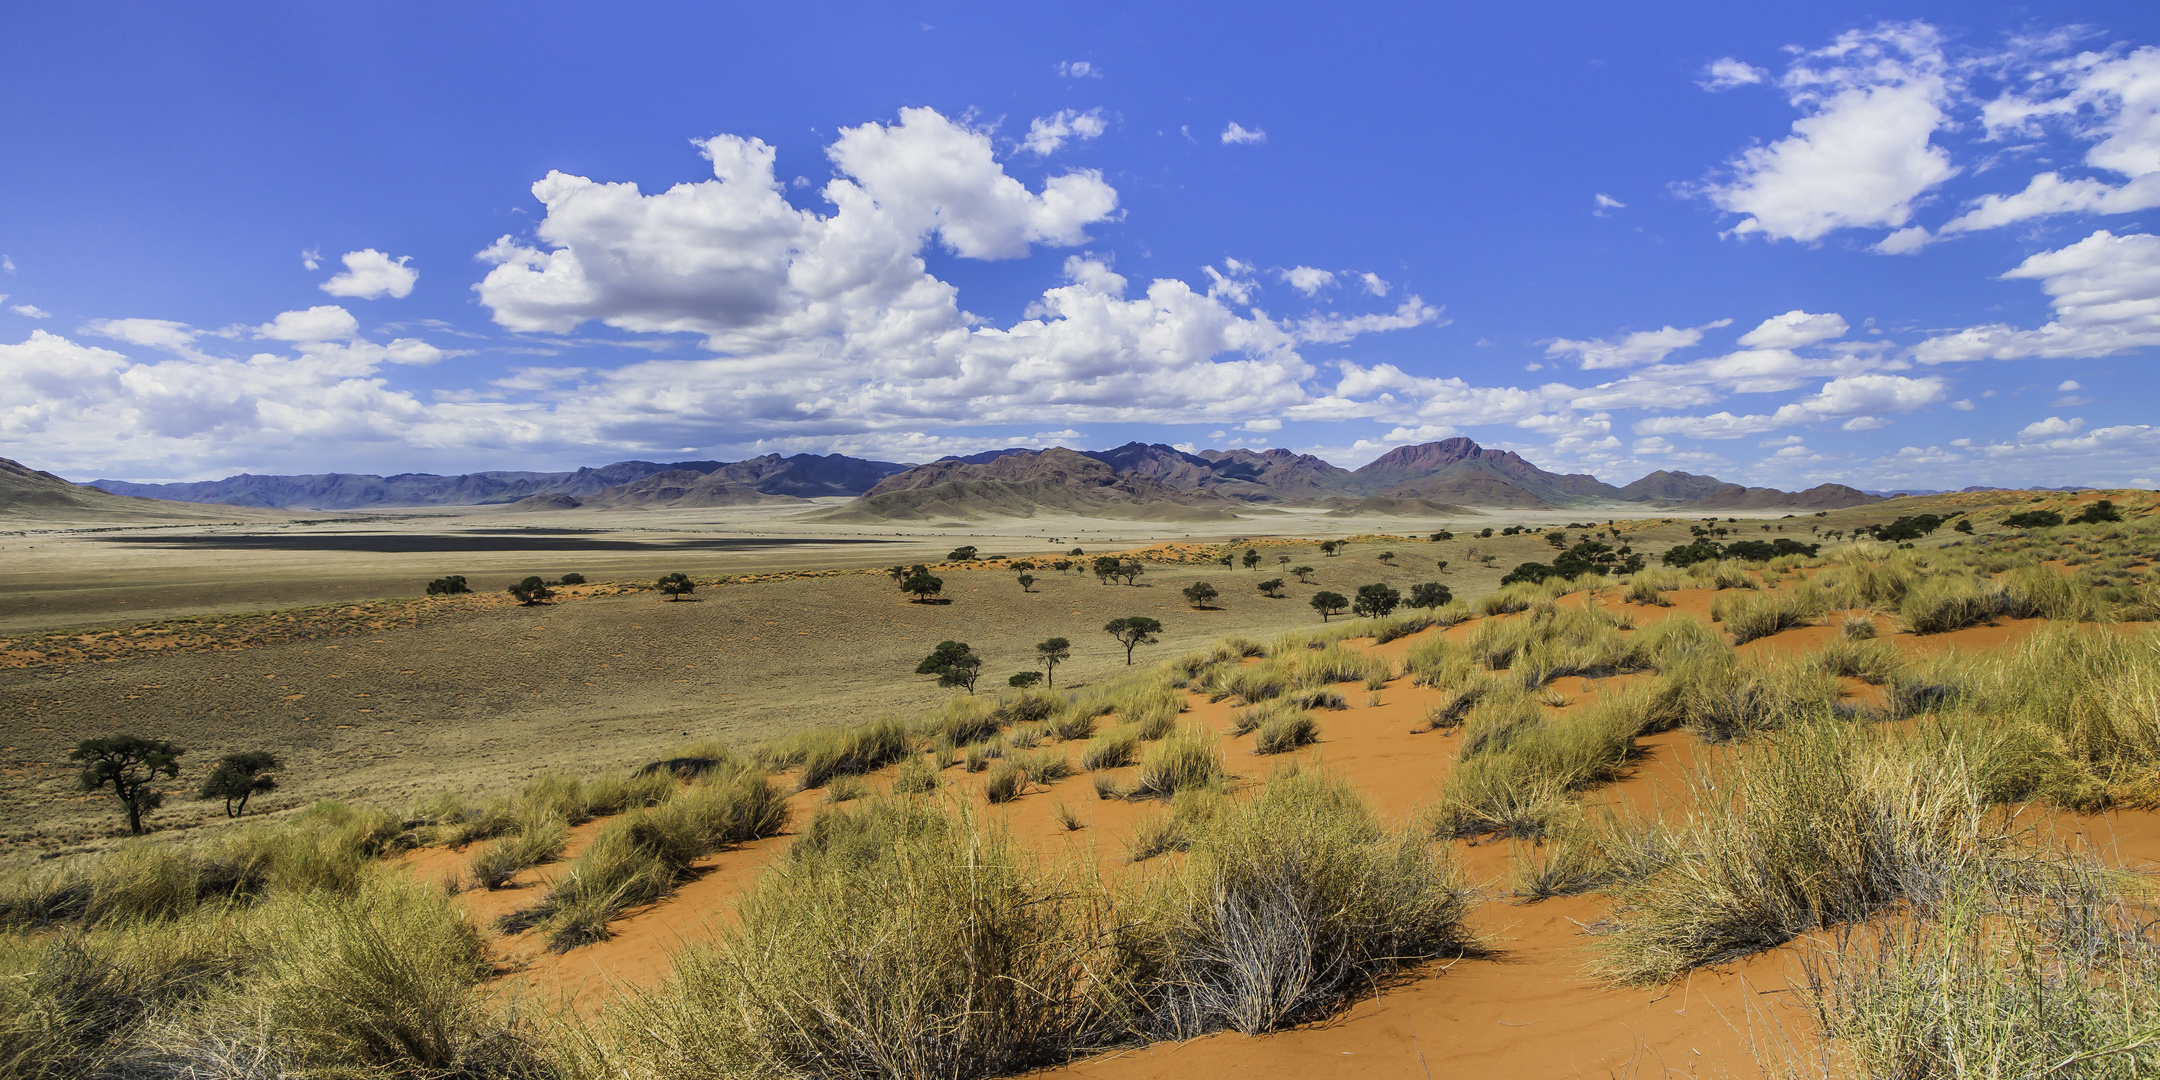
{"type": "Point", "coordinates": [1137, 480]}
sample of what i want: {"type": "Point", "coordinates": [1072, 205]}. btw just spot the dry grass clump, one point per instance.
{"type": "Point", "coordinates": [1251, 683]}
{"type": "Point", "coordinates": [917, 775]}
{"type": "Point", "coordinates": [1857, 628]}
{"type": "Point", "coordinates": [1333, 663]}
{"type": "Point", "coordinates": [379, 981]}
{"type": "Point", "coordinates": [903, 943]}
{"type": "Point", "coordinates": [1110, 750]}
{"type": "Point", "coordinates": [1149, 709]}
{"type": "Point", "coordinates": [2095, 694]}
{"type": "Point", "coordinates": [1822, 827]}
{"type": "Point", "coordinates": [1642, 589]}
{"type": "Point", "coordinates": [826, 753]}
{"type": "Point", "coordinates": [1872, 662]}
{"type": "Point", "coordinates": [1289, 903]}
{"type": "Point", "coordinates": [1005, 782]}
{"type": "Point", "coordinates": [1749, 617]}
{"type": "Point", "coordinates": [640, 857]}
{"type": "Point", "coordinates": [963, 719]}
{"type": "Point", "coordinates": [2017, 987]}
{"type": "Point", "coordinates": [1400, 626]}
{"type": "Point", "coordinates": [1186, 760]}
{"type": "Point", "coordinates": [576, 800]}
{"type": "Point", "coordinates": [1517, 767]}
{"type": "Point", "coordinates": [1945, 602]}
{"type": "Point", "coordinates": [1286, 732]}
{"type": "Point", "coordinates": [1508, 600]}
{"type": "Point", "coordinates": [537, 841]}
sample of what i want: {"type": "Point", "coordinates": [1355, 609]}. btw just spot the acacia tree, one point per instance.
{"type": "Point", "coordinates": [1373, 601]}
{"type": "Point", "coordinates": [239, 777]}
{"type": "Point", "coordinates": [1199, 593]}
{"type": "Point", "coordinates": [1387, 557]}
{"type": "Point", "coordinates": [1330, 547]}
{"type": "Point", "coordinates": [1105, 567]}
{"type": "Point", "coordinates": [532, 590]}
{"type": "Point", "coordinates": [1130, 570]}
{"type": "Point", "coordinates": [128, 764]}
{"type": "Point", "coordinates": [1133, 630]}
{"type": "Point", "coordinates": [1304, 574]}
{"type": "Point", "coordinates": [1252, 559]}
{"type": "Point", "coordinates": [677, 586]}
{"type": "Point", "coordinates": [1025, 581]}
{"type": "Point", "coordinates": [1053, 652]}
{"type": "Point", "coordinates": [921, 582]}
{"type": "Point", "coordinates": [448, 586]}
{"type": "Point", "coordinates": [1329, 603]}
{"type": "Point", "coordinates": [1021, 680]}
{"type": "Point", "coordinates": [954, 664]}
{"type": "Point", "coordinates": [1430, 594]}
{"type": "Point", "coordinates": [1272, 588]}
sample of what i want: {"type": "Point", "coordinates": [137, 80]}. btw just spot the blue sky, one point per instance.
{"type": "Point", "coordinates": [1905, 246]}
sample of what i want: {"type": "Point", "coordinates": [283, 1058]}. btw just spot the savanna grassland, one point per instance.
{"type": "Point", "coordinates": [1883, 810]}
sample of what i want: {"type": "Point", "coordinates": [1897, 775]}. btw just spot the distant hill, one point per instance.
{"type": "Point", "coordinates": [27, 494]}
{"type": "Point", "coordinates": [1822, 497]}
{"type": "Point", "coordinates": [802, 476]}
{"type": "Point", "coordinates": [1662, 486]}
{"type": "Point", "coordinates": [1024, 484]}
{"type": "Point", "coordinates": [1460, 471]}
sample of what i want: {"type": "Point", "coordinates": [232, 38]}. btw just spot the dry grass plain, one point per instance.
{"type": "Point", "coordinates": [482, 694]}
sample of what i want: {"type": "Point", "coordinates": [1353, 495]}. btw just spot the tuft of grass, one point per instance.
{"type": "Point", "coordinates": [1749, 617]}
{"type": "Point", "coordinates": [1290, 903]}
{"type": "Point", "coordinates": [1005, 782]}
{"type": "Point", "coordinates": [540, 841]}
{"type": "Point", "coordinates": [826, 753]}
{"type": "Point", "coordinates": [1514, 774]}
{"type": "Point", "coordinates": [1069, 819]}
{"type": "Point", "coordinates": [846, 789]}
{"type": "Point", "coordinates": [1946, 602]}
{"type": "Point", "coordinates": [1110, 750]}
{"type": "Point", "coordinates": [915, 951]}
{"type": "Point", "coordinates": [639, 857]}
{"type": "Point", "coordinates": [1826, 825]}
{"type": "Point", "coordinates": [1073, 725]}
{"type": "Point", "coordinates": [1871, 662]}
{"type": "Point", "coordinates": [1857, 628]}
{"type": "Point", "coordinates": [1107, 788]}
{"type": "Point", "coordinates": [916, 776]}
{"type": "Point", "coordinates": [1287, 732]}
{"type": "Point", "coordinates": [1642, 590]}
{"type": "Point", "coordinates": [1186, 760]}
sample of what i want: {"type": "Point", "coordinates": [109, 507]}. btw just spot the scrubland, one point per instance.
{"type": "Point", "coordinates": [1829, 805]}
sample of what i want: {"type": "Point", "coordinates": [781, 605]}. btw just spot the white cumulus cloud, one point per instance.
{"type": "Point", "coordinates": [1727, 73]}
{"type": "Point", "coordinates": [369, 274]}
{"type": "Point", "coordinates": [1049, 134]}
{"type": "Point", "coordinates": [1238, 133]}
{"type": "Point", "coordinates": [1862, 155]}
{"type": "Point", "coordinates": [2105, 291]}
{"type": "Point", "coordinates": [2111, 99]}
{"type": "Point", "coordinates": [1794, 329]}
{"type": "Point", "coordinates": [1308, 280]}
{"type": "Point", "coordinates": [1640, 347]}
{"type": "Point", "coordinates": [29, 311]}
{"type": "Point", "coordinates": [324, 322]}
{"type": "Point", "coordinates": [1079, 69]}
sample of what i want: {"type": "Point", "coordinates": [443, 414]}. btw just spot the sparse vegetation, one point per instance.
{"type": "Point", "coordinates": [238, 778]}
{"type": "Point", "coordinates": [130, 765]}
{"type": "Point", "coordinates": [1133, 631]}
{"type": "Point", "coordinates": [676, 585]}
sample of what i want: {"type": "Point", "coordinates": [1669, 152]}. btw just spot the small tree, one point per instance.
{"type": "Point", "coordinates": [448, 586]}
{"type": "Point", "coordinates": [1272, 588]}
{"type": "Point", "coordinates": [1053, 652]}
{"type": "Point", "coordinates": [1225, 559]}
{"type": "Point", "coordinates": [1304, 574]}
{"type": "Point", "coordinates": [963, 553]}
{"type": "Point", "coordinates": [1252, 559]}
{"type": "Point", "coordinates": [1026, 580]}
{"type": "Point", "coordinates": [1282, 560]}
{"type": "Point", "coordinates": [1431, 594]}
{"type": "Point", "coordinates": [1024, 679]}
{"type": "Point", "coordinates": [2103, 510]}
{"type": "Point", "coordinates": [1133, 630]}
{"type": "Point", "coordinates": [923, 584]}
{"type": "Point", "coordinates": [677, 586]}
{"type": "Point", "coordinates": [1963, 526]}
{"type": "Point", "coordinates": [1374, 601]}
{"type": "Point", "coordinates": [1441, 566]}
{"type": "Point", "coordinates": [128, 764]}
{"type": "Point", "coordinates": [1130, 570]}
{"type": "Point", "coordinates": [898, 573]}
{"type": "Point", "coordinates": [954, 664]}
{"type": "Point", "coordinates": [1076, 551]}
{"type": "Point", "coordinates": [1329, 603]}
{"type": "Point", "coordinates": [1199, 593]}
{"type": "Point", "coordinates": [532, 590]}
{"type": "Point", "coordinates": [1105, 567]}
{"type": "Point", "coordinates": [1387, 557]}
{"type": "Point", "coordinates": [572, 579]}
{"type": "Point", "coordinates": [1330, 547]}
{"type": "Point", "coordinates": [239, 777]}
{"type": "Point", "coordinates": [1442, 535]}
